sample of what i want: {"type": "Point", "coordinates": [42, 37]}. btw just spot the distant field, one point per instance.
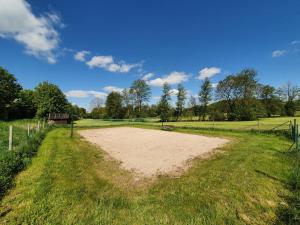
{"type": "Point", "coordinates": [262, 124]}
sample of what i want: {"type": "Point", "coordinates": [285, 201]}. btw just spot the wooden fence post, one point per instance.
{"type": "Point", "coordinates": [28, 130]}
{"type": "Point", "coordinates": [10, 138]}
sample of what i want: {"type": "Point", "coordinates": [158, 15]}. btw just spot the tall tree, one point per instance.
{"type": "Point", "coordinates": [193, 108]}
{"type": "Point", "coordinates": [271, 102]}
{"type": "Point", "coordinates": [96, 103]}
{"type": "Point", "coordinates": [164, 105]}
{"type": "Point", "coordinates": [49, 99]}
{"type": "Point", "coordinates": [113, 105]}
{"type": "Point", "coordinates": [205, 96]}
{"type": "Point", "coordinates": [239, 95]}
{"type": "Point", "coordinates": [181, 97]}
{"type": "Point", "coordinates": [9, 91]}
{"type": "Point", "coordinates": [289, 93]}
{"type": "Point", "coordinates": [24, 106]}
{"type": "Point", "coordinates": [141, 93]}
{"type": "Point", "coordinates": [127, 98]}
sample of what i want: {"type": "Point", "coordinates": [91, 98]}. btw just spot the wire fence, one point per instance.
{"type": "Point", "coordinates": [14, 134]}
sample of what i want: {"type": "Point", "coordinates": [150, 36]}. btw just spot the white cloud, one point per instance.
{"type": "Point", "coordinates": [85, 94]}
{"type": "Point", "coordinates": [112, 89]}
{"type": "Point", "coordinates": [108, 63]}
{"type": "Point", "coordinates": [172, 78]}
{"type": "Point", "coordinates": [208, 72]}
{"type": "Point", "coordinates": [36, 33]}
{"type": "Point", "coordinates": [80, 56]}
{"type": "Point", "coordinates": [100, 61]}
{"type": "Point", "coordinates": [279, 53]}
{"type": "Point", "coordinates": [147, 76]}
{"type": "Point", "coordinates": [214, 85]}
{"type": "Point", "coordinates": [295, 42]}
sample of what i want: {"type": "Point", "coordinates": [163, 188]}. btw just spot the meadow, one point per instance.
{"type": "Point", "coordinates": [276, 123]}
{"type": "Point", "coordinates": [71, 181]}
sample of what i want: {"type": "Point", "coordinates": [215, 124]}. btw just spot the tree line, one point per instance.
{"type": "Point", "coordinates": [237, 97]}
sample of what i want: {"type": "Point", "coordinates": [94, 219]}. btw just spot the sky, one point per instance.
{"type": "Point", "coordinates": [90, 48]}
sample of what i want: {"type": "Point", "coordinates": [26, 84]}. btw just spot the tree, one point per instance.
{"type": "Point", "coordinates": [9, 92]}
{"type": "Point", "coordinates": [181, 97]}
{"type": "Point", "coordinates": [239, 95]}
{"type": "Point", "coordinates": [141, 93]}
{"type": "Point", "coordinates": [164, 105]}
{"type": "Point", "coordinates": [24, 106]}
{"type": "Point", "coordinates": [96, 103]}
{"type": "Point", "coordinates": [193, 108]}
{"type": "Point", "coordinates": [49, 99]}
{"type": "Point", "coordinates": [205, 96]}
{"type": "Point", "coordinates": [289, 93]}
{"type": "Point", "coordinates": [270, 101]}
{"type": "Point", "coordinates": [127, 98]}
{"type": "Point", "coordinates": [113, 105]}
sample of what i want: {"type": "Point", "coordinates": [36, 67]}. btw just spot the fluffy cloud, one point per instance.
{"type": "Point", "coordinates": [279, 53]}
{"type": "Point", "coordinates": [295, 42]}
{"type": "Point", "coordinates": [208, 72]}
{"type": "Point", "coordinates": [85, 94]}
{"type": "Point", "coordinates": [147, 76]}
{"type": "Point", "coordinates": [172, 78]}
{"type": "Point", "coordinates": [108, 63]}
{"type": "Point", "coordinates": [80, 56]}
{"type": "Point", "coordinates": [112, 89]}
{"type": "Point", "coordinates": [36, 33]}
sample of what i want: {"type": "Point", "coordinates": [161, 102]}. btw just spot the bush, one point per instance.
{"type": "Point", "coordinates": [11, 162]}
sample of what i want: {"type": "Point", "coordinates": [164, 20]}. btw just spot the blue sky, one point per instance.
{"type": "Point", "coordinates": [89, 48]}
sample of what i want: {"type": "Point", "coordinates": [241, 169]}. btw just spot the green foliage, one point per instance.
{"type": "Point", "coordinates": [141, 93]}
{"type": "Point", "coordinates": [180, 103]}
{"type": "Point", "coordinates": [164, 106]}
{"type": "Point", "coordinates": [205, 96]}
{"type": "Point", "coordinates": [113, 106]}
{"type": "Point", "coordinates": [238, 93]}
{"type": "Point", "coordinates": [75, 111]}
{"type": "Point", "coordinates": [270, 101]}
{"type": "Point", "coordinates": [11, 162]}
{"type": "Point", "coordinates": [49, 99]}
{"type": "Point", "coordinates": [9, 91]}
{"type": "Point", "coordinates": [24, 106]}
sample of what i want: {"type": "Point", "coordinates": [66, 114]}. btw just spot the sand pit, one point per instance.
{"type": "Point", "coordinates": [151, 152]}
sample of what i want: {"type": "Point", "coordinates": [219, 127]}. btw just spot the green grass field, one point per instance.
{"type": "Point", "coordinates": [71, 182]}
{"type": "Point", "coordinates": [262, 124]}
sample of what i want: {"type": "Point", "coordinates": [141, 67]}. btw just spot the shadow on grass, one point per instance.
{"type": "Point", "coordinates": [289, 211]}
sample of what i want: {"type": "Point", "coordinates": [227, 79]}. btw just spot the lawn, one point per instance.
{"type": "Point", "coordinates": [262, 124]}
{"type": "Point", "coordinates": [72, 182]}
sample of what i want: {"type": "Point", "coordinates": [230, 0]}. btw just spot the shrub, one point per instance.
{"type": "Point", "coordinates": [11, 162]}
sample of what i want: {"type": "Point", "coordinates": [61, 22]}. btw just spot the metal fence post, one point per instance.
{"type": "Point", "coordinates": [10, 140]}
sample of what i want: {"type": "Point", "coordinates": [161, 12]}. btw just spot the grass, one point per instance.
{"type": "Point", "coordinates": [73, 182]}
{"type": "Point", "coordinates": [19, 132]}
{"type": "Point", "coordinates": [263, 124]}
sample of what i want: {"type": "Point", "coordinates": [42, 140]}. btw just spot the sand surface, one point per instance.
{"type": "Point", "coordinates": [151, 152]}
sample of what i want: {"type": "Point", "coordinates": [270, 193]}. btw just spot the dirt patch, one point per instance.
{"type": "Point", "coordinates": [151, 152]}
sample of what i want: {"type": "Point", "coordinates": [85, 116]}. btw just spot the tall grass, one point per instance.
{"type": "Point", "coordinates": [24, 148]}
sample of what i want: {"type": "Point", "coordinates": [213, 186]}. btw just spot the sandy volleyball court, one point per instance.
{"type": "Point", "coordinates": [150, 152]}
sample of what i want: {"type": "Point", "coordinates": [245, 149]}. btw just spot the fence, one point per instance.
{"type": "Point", "coordinates": [295, 134]}
{"type": "Point", "coordinates": [14, 134]}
